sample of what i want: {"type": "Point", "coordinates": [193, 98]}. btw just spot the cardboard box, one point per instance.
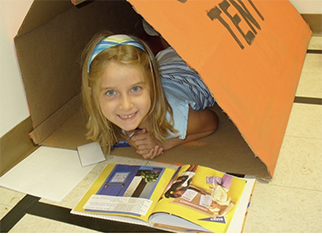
{"type": "Point", "coordinates": [249, 53]}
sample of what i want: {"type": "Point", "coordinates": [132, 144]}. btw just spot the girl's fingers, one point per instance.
{"type": "Point", "coordinates": [160, 151]}
{"type": "Point", "coordinates": [149, 154]}
{"type": "Point", "coordinates": [157, 152]}
{"type": "Point", "coordinates": [154, 152]}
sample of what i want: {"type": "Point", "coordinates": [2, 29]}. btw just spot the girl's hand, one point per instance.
{"type": "Point", "coordinates": [146, 145]}
{"type": "Point", "coordinates": [156, 151]}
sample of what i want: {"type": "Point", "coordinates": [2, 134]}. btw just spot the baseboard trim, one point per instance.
{"type": "Point", "coordinates": [16, 145]}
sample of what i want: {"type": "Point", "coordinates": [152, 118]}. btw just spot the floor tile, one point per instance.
{"type": "Point", "coordinates": [9, 199]}
{"type": "Point", "coordinates": [310, 84]}
{"type": "Point", "coordinates": [299, 164]}
{"type": "Point", "coordinates": [315, 42]}
{"type": "Point", "coordinates": [34, 224]}
{"type": "Point", "coordinates": [305, 121]}
{"type": "Point", "coordinates": [312, 63]}
{"type": "Point", "coordinates": [278, 209]}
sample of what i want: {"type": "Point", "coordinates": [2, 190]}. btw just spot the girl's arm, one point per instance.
{"type": "Point", "coordinates": [200, 124]}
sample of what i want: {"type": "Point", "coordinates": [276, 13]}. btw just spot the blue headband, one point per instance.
{"type": "Point", "coordinates": [111, 41]}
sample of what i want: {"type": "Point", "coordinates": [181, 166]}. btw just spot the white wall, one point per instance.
{"type": "Point", "coordinates": [308, 6]}
{"type": "Point", "coordinates": [13, 105]}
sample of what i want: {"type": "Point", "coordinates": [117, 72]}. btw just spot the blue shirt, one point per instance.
{"type": "Point", "coordinates": [183, 88]}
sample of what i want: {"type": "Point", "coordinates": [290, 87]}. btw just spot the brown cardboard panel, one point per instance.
{"type": "Point", "coordinates": [46, 128]}
{"type": "Point", "coordinates": [70, 134]}
{"type": "Point", "coordinates": [49, 55]}
{"type": "Point", "coordinates": [41, 12]}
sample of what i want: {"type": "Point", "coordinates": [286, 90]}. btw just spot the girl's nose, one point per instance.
{"type": "Point", "coordinates": [126, 102]}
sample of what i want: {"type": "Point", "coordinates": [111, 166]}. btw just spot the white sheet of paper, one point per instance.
{"type": "Point", "coordinates": [49, 173]}
{"type": "Point", "coordinates": [90, 154]}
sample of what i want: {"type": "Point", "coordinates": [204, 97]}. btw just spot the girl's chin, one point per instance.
{"type": "Point", "coordinates": [129, 128]}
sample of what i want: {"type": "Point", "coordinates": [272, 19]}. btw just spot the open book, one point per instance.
{"type": "Point", "coordinates": [191, 198]}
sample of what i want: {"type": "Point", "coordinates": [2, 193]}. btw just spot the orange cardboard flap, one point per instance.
{"type": "Point", "coordinates": [249, 53]}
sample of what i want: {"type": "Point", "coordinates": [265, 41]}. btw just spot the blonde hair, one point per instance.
{"type": "Point", "coordinates": [99, 127]}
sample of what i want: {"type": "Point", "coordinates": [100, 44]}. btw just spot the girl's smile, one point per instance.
{"type": "Point", "coordinates": [127, 117]}
{"type": "Point", "coordinates": [125, 95]}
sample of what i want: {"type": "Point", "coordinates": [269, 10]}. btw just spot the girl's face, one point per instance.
{"type": "Point", "coordinates": [124, 95]}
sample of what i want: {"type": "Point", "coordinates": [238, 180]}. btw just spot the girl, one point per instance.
{"type": "Point", "coordinates": [154, 103]}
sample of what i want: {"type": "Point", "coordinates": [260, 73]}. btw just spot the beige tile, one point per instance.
{"type": "Point", "coordinates": [305, 121]}
{"type": "Point", "coordinates": [278, 209]}
{"type": "Point", "coordinates": [315, 42]}
{"type": "Point", "coordinates": [312, 63]}
{"type": "Point", "coordinates": [35, 224]}
{"type": "Point", "coordinates": [8, 199]}
{"type": "Point", "coordinates": [310, 84]}
{"type": "Point", "coordinates": [299, 164]}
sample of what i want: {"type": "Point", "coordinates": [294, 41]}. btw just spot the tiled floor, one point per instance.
{"type": "Point", "coordinates": [291, 202]}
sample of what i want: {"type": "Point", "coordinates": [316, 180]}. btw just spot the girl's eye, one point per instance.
{"type": "Point", "coordinates": [110, 93]}
{"type": "Point", "coordinates": [136, 89]}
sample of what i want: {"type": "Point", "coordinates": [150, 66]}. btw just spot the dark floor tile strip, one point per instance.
{"type": "Point", "coordinates": [314, 51]}
{"type": "Point", "coordinates": [16, 213]}
{"type": "Point", "coordinates": [107, 226]}
{"type": "Point", "coordinates": [308, 100]}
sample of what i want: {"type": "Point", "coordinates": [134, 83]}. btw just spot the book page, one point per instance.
{"type": "Point", "coordinates": [202, 196]}
{"type": "Point", "coordinates": [125, 190]}
{"type": "Point", "coordinates": [139, 206]}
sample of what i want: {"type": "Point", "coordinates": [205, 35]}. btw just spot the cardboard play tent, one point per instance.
{"type": "Point", "coordinates": [249, 53]}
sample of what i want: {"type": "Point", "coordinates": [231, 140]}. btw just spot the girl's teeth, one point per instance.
{"type": "Point", "coordinates": [127, 117]}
